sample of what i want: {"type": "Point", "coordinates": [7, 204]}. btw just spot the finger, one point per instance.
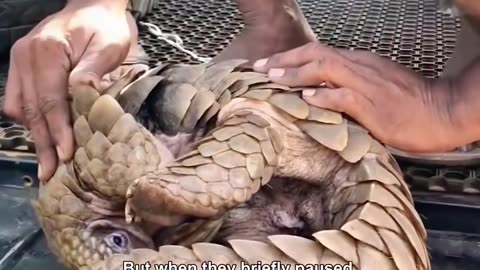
{"type": "Point", "coordinates": [51, 82]}
{"type": "Point", "coordinates": [47, 158]}
{"type": "Point", "coordinates": [13, 92]}
{"type": "Point", "coordinates": [347, 101]}
{"type": "Point", "coordinates": [97, 61]}
{"type": "Point", "coordinates": [341, 75]}
{"type": "Point", "coordinates": [296, 57]}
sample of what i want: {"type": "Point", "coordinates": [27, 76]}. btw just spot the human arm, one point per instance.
{"type": "Point", "coordinates": [77, 45]}
{"type": "Point", "coordinates": [398, 106]}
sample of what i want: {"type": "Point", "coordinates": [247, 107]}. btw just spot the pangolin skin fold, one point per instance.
{"type": "Point", "coordinates": [123, 179]}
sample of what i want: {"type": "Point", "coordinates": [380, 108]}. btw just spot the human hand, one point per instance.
{"type": "Point", "coordinates": [395, 104]}
{"type": "Point", "coordinates": [78, 45]}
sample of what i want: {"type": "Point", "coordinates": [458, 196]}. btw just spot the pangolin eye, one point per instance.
{"type": "Point", "coordinates": [118, 241]}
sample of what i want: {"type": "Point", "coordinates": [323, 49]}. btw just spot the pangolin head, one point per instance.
{"type": "Point", "coordinates": [83, 217]}
{"type": "Point", "coordinates": [81, 228]}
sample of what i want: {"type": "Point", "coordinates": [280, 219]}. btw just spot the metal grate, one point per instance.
{"type": "Point", "coordinates": [412, 32]}
{"type": "Point", "coordinates": [437, 179]}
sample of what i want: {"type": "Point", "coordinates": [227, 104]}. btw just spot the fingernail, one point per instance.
{"type": "Point", "coordinates": [276, 72]}
{"type": "Point", "coordinates": [60, 153]}
{"type": "Point", "coordinates": [39, 173]}
{"type": "Point", "coordinates": [104, 84]}
{"type": "Point", "coordinates": [309, 92]}
{"type": "Point", "coordinates": [260, 63]}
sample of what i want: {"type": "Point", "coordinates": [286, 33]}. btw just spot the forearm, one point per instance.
{"type": "Point", "coordinates": [119, 2]}
{"type": "Point", "coordinates": [137, 8]}
{"type": "Point", "coordinates": [116, 4]}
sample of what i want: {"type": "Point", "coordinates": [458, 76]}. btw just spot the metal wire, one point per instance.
{"type": "Point", "coordinates": [173, 40]}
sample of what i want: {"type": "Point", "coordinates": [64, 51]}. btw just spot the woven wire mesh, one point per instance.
{"type": "Point", "coordinates": [412, 32]}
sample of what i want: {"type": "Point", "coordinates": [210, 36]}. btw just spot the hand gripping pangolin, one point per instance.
{"type": "Point", "coordinates": [255, 132]}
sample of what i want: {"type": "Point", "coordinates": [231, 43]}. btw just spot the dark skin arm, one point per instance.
{"type": "Point", "coordinates": [399, 107]}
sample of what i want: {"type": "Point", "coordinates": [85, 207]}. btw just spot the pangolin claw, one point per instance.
{"type": "Point", "coordinates": [152, 197]}
{"type": "Point", "coordinates": [129, 213]}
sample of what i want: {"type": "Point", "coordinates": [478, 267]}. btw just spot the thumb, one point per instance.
{"type": "Point", "coordinates": [96, 62]}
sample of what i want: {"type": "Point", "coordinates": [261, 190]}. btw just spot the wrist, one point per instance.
{"type": "Point", "coordinates": [458, 110]}
{"type": "Point", "coordinates": [467, 87]}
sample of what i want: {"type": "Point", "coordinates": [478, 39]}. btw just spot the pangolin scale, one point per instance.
{"type": "Point", "coordinates": [254, 130]}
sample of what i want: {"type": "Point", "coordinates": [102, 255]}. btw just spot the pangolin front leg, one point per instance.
{"type": "Point", "coordinates": [225, 169]}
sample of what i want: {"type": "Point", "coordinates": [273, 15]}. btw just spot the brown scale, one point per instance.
{"type": "Point", "coordinates": [350, 203]}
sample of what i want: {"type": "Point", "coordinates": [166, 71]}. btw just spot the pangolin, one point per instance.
{"type": "Point", "coordinates": [215, 163]}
